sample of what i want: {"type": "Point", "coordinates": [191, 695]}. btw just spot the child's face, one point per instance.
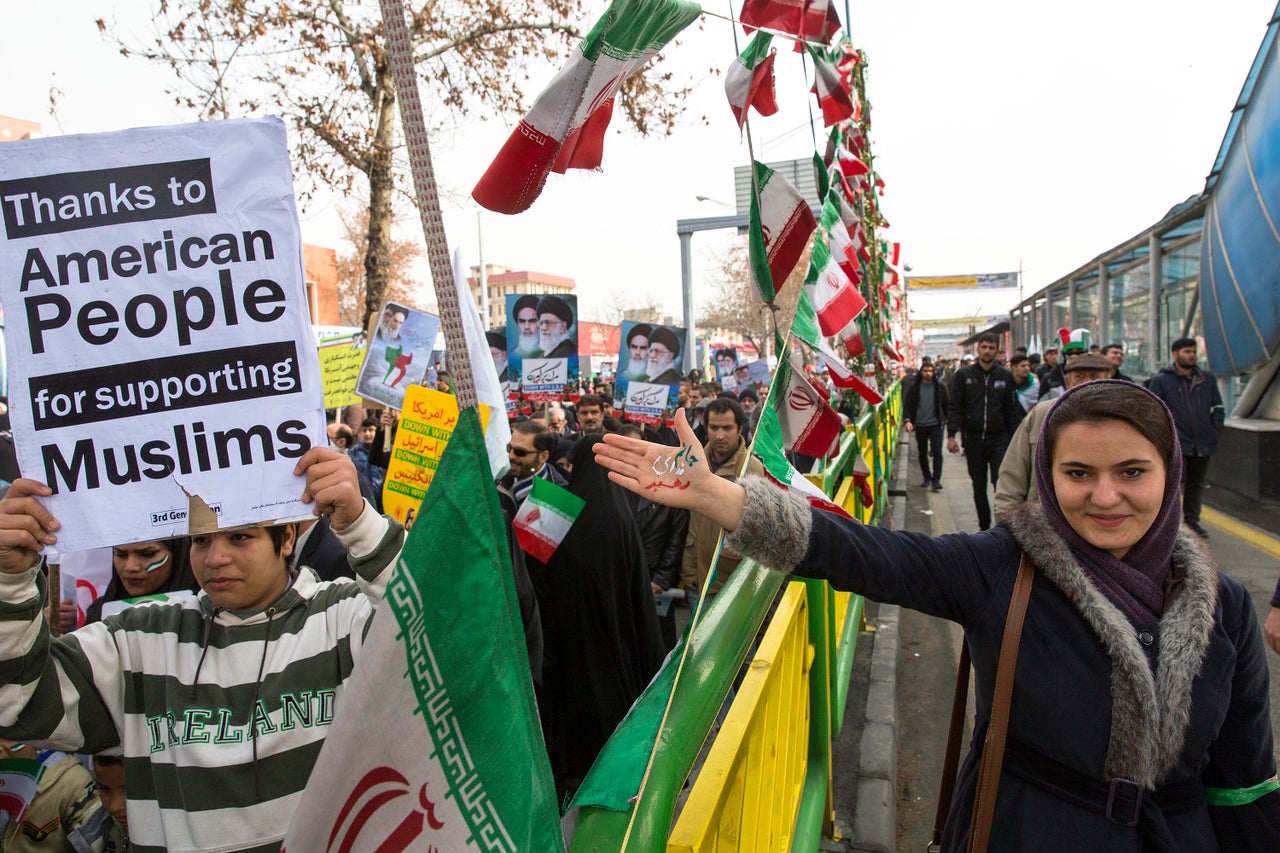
{"type": "Point", "coordinates": [367, 434]}
{"type": "Point", "coordinates": [109, 783]}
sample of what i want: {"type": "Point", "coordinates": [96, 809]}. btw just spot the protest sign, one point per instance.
{"type": "Point", "coordinates": [426, 423]}
{"type": "Point", "coordinates": [399, 354]}
{"type": "Point", "coordinates": [754, 376]}
{"type": "Point", "coordinates": [156, 314]}
{"type": "Point", "coordinates": [648, 378]}
{"type": "Point", "coordinates": [341, 353]}
{"type": "Point", "coordinates": [542, 344]}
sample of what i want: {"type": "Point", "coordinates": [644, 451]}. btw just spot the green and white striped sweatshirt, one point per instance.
{"type": "Point", "coordinates": [189, 745]}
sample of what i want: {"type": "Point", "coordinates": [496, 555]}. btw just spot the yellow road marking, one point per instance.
{"type": "Point", "coordinates": [1264, 542]}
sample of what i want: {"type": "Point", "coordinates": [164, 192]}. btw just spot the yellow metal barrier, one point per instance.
{"type": "Point", "coordinates": [746, 796]}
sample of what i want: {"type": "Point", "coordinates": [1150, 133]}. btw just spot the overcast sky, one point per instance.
{"type": "Point", "coordinates": [1010, 135]}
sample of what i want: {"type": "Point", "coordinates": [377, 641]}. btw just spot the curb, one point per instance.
{"type": "Point", "coordinates": [875, 818]}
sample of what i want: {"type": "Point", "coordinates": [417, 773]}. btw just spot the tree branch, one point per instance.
{"type": "Point", "coordinates": [491, 30]}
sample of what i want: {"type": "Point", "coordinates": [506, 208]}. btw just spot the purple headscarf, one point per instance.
{"type": "Point", "coordinates": [1137, 583]}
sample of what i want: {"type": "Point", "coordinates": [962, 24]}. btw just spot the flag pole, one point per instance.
{"type": "Point", "coordinates": [427, 197]}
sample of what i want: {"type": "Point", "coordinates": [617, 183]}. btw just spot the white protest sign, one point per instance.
{"type": "Point", "coordinates": [162, 359]}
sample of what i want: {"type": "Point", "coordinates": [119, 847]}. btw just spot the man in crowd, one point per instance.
{"type": "Point", "coordinates": [725, 453]}
{"type": "Point", "coordinates": [526, 314]}
{"type": "Point", "coordinates": [1114, 353]}
{"type": "Point", "coordinates": [1048, 363]}
{"type": "Point", "coordinates": [590, 416]}
{"type": "Point", "coordinates": [924, 411]}
{"type": "Point", "coordinates": [1024, 384]}
{"type": "Point", "coordinates": [1074, 344]}
{"type": "Point", "coordinates": [529, 455]}
{"type": "Point", "coordinates": [556, 420]}
{"type": "Point", "coordinates": [1192, 395]}
{"type": "Point", "coordinates": [555, 319]}
{"type": "Point", "coordinates": [1016, 482]}
{"type": "Point", "coordinates": [984, 410]}
{"type": "Point", "coordinates": [638, 350]}
{"type": "Point", "coordinates": [664, 349]}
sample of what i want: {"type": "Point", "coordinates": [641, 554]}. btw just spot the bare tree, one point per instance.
{"type": "Point", "coordinates": [737, 307]}
{"type": "Point", "coordinates": [322, 66]}
{"type": "Point", "coordinates": [401, 285]}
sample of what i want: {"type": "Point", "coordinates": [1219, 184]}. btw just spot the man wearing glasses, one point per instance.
{"type": "Point", "coordinates": [529, 453]}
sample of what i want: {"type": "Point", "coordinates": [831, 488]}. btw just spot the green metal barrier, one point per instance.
{"type": "Point", "coordinates": [717, 649]}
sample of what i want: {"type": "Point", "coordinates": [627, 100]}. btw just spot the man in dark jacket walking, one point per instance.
{"type": "Point", "coordinates": [1192, 395]}
{"type": "Point", "coordinates": [984, 409]}
{"type": "Point", "coordinates": [924, 412]}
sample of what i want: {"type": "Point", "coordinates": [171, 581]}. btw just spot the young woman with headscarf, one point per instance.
{"type": "Point", "coordinates": [600, 627]}
{"type": "Point", "coordinates": [1139, 719]}
{"type": "Point", "coordinates": [146, 568]}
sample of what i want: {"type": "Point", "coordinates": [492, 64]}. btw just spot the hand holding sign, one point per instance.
{"type": "Point", "coordinates": [332, 486]}
{"type": "Point", "coordinates": [673, 476]}
{"type": "Point", "coordinates": [25, 525]}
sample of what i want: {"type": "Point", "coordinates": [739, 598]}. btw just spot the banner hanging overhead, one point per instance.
{"type": "Point", "coordinates": [158, 332]}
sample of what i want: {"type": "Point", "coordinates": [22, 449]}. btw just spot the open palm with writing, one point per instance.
{"type": "Point", "coordinates": [675, 476]}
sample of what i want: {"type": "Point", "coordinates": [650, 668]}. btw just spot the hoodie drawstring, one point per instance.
{"type": "Point", "coordinates": [204, 650]}
{"type": "Point", "coordinates": [253, 708]}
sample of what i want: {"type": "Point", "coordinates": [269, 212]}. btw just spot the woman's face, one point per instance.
{"type": "Point", "coordinates": [1109, 481]}
{"type": "Point", "coordinates": [143, 567]}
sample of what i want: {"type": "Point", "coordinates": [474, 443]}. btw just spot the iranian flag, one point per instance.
{"type": "Point", "coordinates": [781, 223]}
{"type": "Point", "coordinates": [768, 446]}
{"type": "Point", "coordinates": [853, 338]}
{"type": "Point", "coordinates": [566, 126]}
{"type": "Point", "coordinates": [809, 20]}
{"type": "Point", "coordinates": [436, 744]}
{"type": "Point", "coordinates": [750, 81]}
{"type": "Point", "coordinates": [842, 246]}
{"type": "Point", "coordinates": [809, 424]}
{"type": "Point", "coordinates": [19, 778]}
{"type": "Point", "coordinates": [834, 91]}
{"type": "Point", "coordinates": [835, 299]}
{"type": "Point", "coordinates": [861, 479]}
{"type": "Point", "coordinates": [805, 327]}
{"type": "Point", "coordinates": [545, 517]}
{"type": "Point", "coordinates": [867, 387]}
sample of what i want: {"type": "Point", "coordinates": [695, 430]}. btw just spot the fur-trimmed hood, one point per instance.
{"type": "Point", "coordinates": [1149, 711]}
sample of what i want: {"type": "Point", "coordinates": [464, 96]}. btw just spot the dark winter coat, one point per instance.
{"type": "Point", "coordinates": [1183, 710]}
{"type": "Point", "coordinates": [1197, 408]}
{"type": "Point", "coordinates": [662, 532]}
{"type": "Point", "coordinates": [911, 401]}
{"type": "Point", "coordinates": [984, 403]}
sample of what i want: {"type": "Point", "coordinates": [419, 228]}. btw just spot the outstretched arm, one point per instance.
{"type": "Point", "coordinates": [674, 476]}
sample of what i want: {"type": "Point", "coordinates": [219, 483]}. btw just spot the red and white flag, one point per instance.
{"type": "Point", "coordinates": [867, 387]}
{"type": "Point", "coordinates": [566, 126]}
{"type": "Point", "coordinates": [834, 91]}
{"type": "Point", "coordinates": [862, 479]}
{"type": "Point", "coordinates": [781, 223]}
{"type": "Point", "coordinates": [809, 424]}
{"type": "Point", "coordinates": [851, 337]}
{"type": "Point", "coordinates": [750, 81]}
{"type": "Point", "coordinates": [809, 20]}
{"type": "Point", "coordinates": [834, 296]}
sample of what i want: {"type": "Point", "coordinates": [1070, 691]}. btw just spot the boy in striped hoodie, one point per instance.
{"type": "Point", "coordinates": [220, 704]}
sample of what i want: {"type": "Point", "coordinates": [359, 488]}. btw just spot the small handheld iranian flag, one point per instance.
{"type": "Point", "coordinates": [565, 128]}
{"type": "Point", "coordinates": [781, 223]}
{"type": "Point", "coordinates": [19, 778]}
{"type": "Point", "coordinates": [545, 517]}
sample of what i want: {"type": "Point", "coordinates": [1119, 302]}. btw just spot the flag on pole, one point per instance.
{"type": "Point", "coordinates": [781, 223]}
{"type": "Point", "coordinates": [545, 517]}
{"type": "Point", "coordinates": [809, 424]}
{"type": "Point", "coordinates": [861, 479]}
{"type": "Point", "coordinates": [842, 246]}
{"type": "Point", "coordinates": [750, 81]}
{"type": "Point", "coordinates": [854, 338]}
{"type": "Point", "coordinates": [808, 20]}
{"type": "Point", "coordinates": [867, 387]}
{"type": "Point", "coordinates": [768, 446]}
{"type": "Point", "coordinates": [805, 327]}
{"type": "Point", "coordinates": [835, 92]}
{"type": "Point", "coordinates": [19, 779]}
{"type": "Point", "coordinates": [833, 295]}
{"type": "Point", "coordinates": [497, 433]}
{"type": "Point", "coordinates": [436, 742]}
{"type": "Point", "coordinates": [566, 126]}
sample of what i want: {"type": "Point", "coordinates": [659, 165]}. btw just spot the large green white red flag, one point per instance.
{"type": "Point", "coordinates": [832, 293]}
{"type": "Point", "coordinates": [809, 424]}
{"type": "Point", "coordinates": [749, 82]}
{"type": "Point", "coordinates": [545, 518]}
{"type": "Point", "coordinates": [768, 445]}
{"type": "Point", "coordinates": [781, 223]}
{"type": "Point", "coordinates": [436, 744]}
{"type": "Point", "coordinates": [566, 126]}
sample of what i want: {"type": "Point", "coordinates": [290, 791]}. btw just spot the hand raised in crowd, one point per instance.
{"type": "Point", "coordinates": [26, 525]}
{"type": "Point", "coordinates": [1271, 630]}
{"type": "Point", "coordinates": [674, 476]}
{"type": "Point", "coordinates": [332, 485]}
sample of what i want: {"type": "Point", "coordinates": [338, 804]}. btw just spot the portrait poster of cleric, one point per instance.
{"type": "Point", "coordinates": [399, 354]}
{"type": "Point", "coordinates": [542, 344]}
{"type": "Point", "coordinates": [164, 371]}
{"type": "Point", "coordinates": [648, 378]}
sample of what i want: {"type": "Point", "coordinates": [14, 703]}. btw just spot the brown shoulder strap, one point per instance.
{"type": "Point", "coordinates": [951, 762]}
{"type": "Point", "coordinates": [984, 802]}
